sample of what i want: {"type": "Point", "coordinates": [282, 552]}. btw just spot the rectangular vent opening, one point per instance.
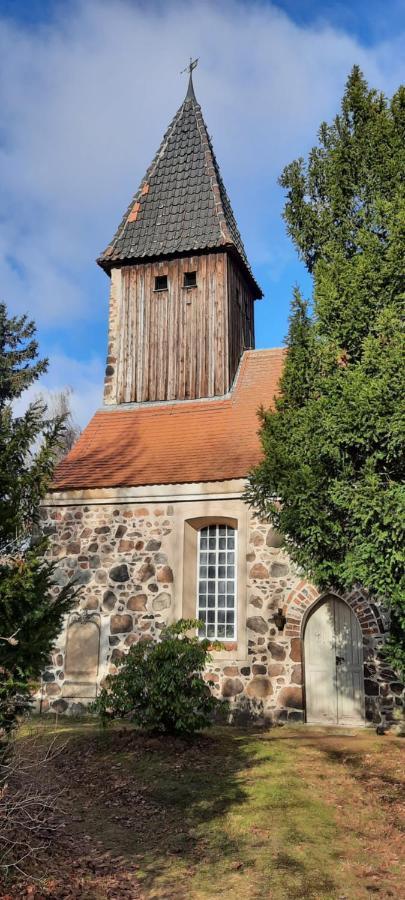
{"type": "Point", "coordinates": [161, 283]}
{"type": "Point", "coordinates": [190, 279]}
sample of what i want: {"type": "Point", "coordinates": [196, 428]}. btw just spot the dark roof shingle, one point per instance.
{"type": "Point", "coordinates": [181, 205]}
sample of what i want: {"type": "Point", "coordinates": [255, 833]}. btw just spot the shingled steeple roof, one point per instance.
{"type": "Point", "coordinates": [181, 205]}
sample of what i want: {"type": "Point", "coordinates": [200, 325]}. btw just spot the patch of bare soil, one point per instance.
{"type": "Point", "coordinates": [362, 777]}
{"type": "Point", "coordinates": [98, 793]}
{"type": "Point", "coordinates": [76, 866]}
{"type": "Point", "coordinates": [120, 806]}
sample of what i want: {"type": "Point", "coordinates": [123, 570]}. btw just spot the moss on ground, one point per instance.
{"type": "Point", "coordinates": [287, 813]}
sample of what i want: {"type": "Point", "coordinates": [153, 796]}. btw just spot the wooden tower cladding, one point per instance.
{"type": "Point", "coordinates": [182, 342]}
{"type": "Point", "coordinates": [182, 292]}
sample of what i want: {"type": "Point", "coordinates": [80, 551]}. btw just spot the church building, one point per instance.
{"type": "Point", "coordinates": [147, 510]}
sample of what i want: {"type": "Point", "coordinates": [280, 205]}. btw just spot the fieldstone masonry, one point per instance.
{"type": "Point", "coordinates": [123, 558]}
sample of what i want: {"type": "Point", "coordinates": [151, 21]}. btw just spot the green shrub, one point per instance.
{"type": "Point", "coordinates": [160, 686]}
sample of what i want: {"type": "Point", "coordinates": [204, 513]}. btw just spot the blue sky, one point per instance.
{"type": "Point", "coordinates": [87, 89]}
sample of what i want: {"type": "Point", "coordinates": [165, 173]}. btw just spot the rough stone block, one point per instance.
{"type": "Point", "coordinates": [59, 706]}
{"type": "Point", "coordinates": [120, 624]}
{"type": "Point", "coordinates": [52, 689]}
{"type": "Point", "coordinates": [161, 602]}
{"type": "Point", "coordinates": [82, 576]}
{"type": "Point", "coordinates": [276, 669]}
{"type": "Point", "coordinates": [125, 546]}
{"type": "Point", "coordinates": [257, 624]}
{"type": "Point", "coordinates": [370, 688]}
{"type": "Point", "coordinates": [278, 570]}
{"type": "Point", "coordinates": [295, 651]}
{"type": "Point", "coordinates": [231, 687]}
{"type": "Point", "coordinates": [257, 602]}
{"type": "Point", "coordinates": [109, 600]}
{"type": "Point", "coordinates": [165, 575]}
{"type": "Point", "coordinates": [73, 548]}
{"type": "Point", "coordinates": [291, 697]}
{"type": "Point", "coordinates": [119, 573]}
{"type": "Point", "coordinates": [259, 687]}
{"type": "Point", "coordinates": [153, 545]}
{"type": "Point", "coordinates": [277, 651]}
{"type": "Point", "coordinates": [90, 603]}
{"type": "Point", "coordinates": [296, 675]}
{"type": "Point", "coordinates": [145, 572]}
{"type": "Point", "coordinates": [274, 539]}
{"type": "Point", "coordinates": [137, 602]}
{"type": "Point", "coordinates": [259, 571]}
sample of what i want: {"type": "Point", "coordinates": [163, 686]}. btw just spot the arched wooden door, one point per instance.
{"type": "Point", "coordinates": [334, 684]}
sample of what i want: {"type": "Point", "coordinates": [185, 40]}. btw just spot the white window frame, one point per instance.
{"type": "Point", "coordinates": [216, 580]}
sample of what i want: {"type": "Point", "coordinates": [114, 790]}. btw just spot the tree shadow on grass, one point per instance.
{"type": "Point", "coordinates": [186, 810]}
{"type": "Point", "coordinates": [387, 786]}
{"type": "Point", "coordinates": [149, 799]}
{"type": "Point", "coordinates": [222, 815]}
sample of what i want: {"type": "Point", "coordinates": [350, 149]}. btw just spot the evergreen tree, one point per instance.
{"type": "Point", "coordinates": [333, 447]}
{"type": "Point", "coordinates": [30, 614]}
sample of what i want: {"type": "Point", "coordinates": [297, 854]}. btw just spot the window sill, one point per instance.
{"type": "Point", "coordinates": [228, 646]}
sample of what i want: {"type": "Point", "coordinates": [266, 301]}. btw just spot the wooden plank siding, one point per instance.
{"type": "Point", "coordinates": [240, 316]}
{"type": "Point", "coordinates": [180, 343]}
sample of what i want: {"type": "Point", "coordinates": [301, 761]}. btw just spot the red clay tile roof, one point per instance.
{"type": "Point", "coordinates": [174, 443]}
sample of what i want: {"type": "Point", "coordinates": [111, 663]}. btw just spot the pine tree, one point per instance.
{"type": "Point", "coordinates": [333, 447]}
{"type": "Point", "coordinates": [31, 617]}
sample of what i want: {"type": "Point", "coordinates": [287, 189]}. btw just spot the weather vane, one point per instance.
{"type": "Point", "coordinates": [192, 64]}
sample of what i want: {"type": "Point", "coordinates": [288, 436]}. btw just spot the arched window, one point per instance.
{"type": "Point", "coordinates": [216, 580]}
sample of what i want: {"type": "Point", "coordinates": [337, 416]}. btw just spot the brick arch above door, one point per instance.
{"type": "Point", "coordinates": [382, 689]}
{"type": "Point", "coordinates": [304, 595]}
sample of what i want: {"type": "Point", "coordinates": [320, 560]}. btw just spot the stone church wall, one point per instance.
{"type": "Point", "coordinates": [128, 561]}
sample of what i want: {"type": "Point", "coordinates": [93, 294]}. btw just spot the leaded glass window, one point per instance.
{"type": "Point", "coordinates": [216, 579]}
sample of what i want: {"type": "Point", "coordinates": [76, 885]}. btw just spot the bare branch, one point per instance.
{"type": "Point", "coordinates": [10, 640]}
{"type": "Point", "coordinates": [30, 813]}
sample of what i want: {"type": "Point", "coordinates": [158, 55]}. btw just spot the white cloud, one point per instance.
{"type": "Point", "coordinates": [84, 378]}
{"type": "Point", "coordinates": [85, 99]}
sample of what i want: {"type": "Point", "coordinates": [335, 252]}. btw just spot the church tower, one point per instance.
{"type": "Point", "coordinates": [182, 291]}
{"type": "Point", "coordinates": [148, 513]}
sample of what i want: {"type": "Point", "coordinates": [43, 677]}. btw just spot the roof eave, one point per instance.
{"type": "Point", "coordinates": [257, 291]}
{"type": "Point", "coordinates": [117, 262]}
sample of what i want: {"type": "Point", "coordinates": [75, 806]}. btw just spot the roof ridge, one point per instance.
{"type": "Point", "coordinates": [256, 350]}
{"type": "Point", "coordinates": [211, 162]}
{"type": "Point", "coordinates": [145, 180]}
{"type": "Point", "coordinates": [157, 408]}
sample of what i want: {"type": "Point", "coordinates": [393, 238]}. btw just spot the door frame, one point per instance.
{"type": "Point", "coordinates": [307, 615]}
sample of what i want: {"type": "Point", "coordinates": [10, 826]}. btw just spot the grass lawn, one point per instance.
{"type": "Point", "coordinates": [286, 813]}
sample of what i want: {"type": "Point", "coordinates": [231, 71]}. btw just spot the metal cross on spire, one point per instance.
{"type": "Point", "coordinates": [192, 64]}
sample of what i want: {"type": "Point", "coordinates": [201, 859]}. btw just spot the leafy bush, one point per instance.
{"type": "Point", "coordinates": [160, 685]}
